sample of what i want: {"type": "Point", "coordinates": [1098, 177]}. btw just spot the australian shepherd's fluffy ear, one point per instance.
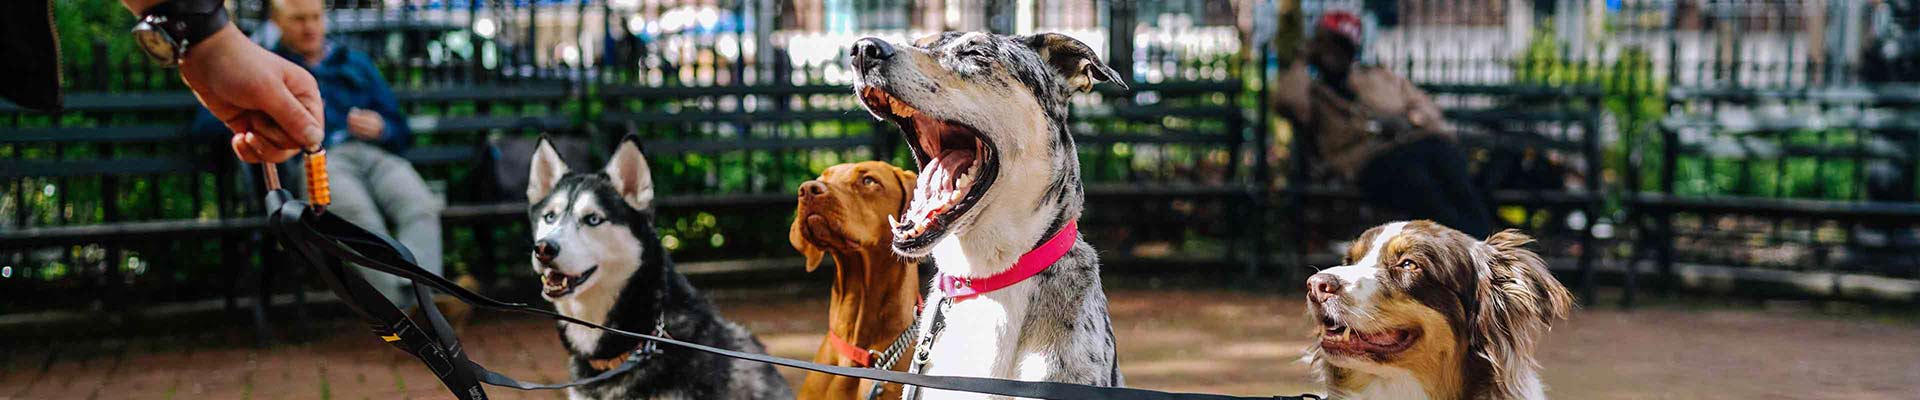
{"type": "Point", "coordinates": [1420, 311]}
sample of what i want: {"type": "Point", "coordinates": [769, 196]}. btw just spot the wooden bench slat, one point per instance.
{"type": "Point", "coordinates": [425, 155]}
{"type": "Point", "coordinates": [695, 116]}
{"type": "Point", "coordinates": [489, 93]}
{"type": "Point", "coordinates": [117, 166]}
{"type": "Point", "coordinates": [438, 125]}
{"type": "Point", "coordinates": [1834, 209]}
{"type": "Point", "coordinates": [1878, 94]}
{"type": "Point", "coordinates": [1129, 190]}
{"type": "Point", "coordinates": [125, 231]}
{"type": "Point", "coordinates": [1167, 136]}
{"type": "Point", "coordinates": [95, 134]}
{"type": "Point", "coordinates": [716, 145]}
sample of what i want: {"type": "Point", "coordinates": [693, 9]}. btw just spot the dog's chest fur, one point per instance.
{"type": "Point", "coordinates": [1051, 327]}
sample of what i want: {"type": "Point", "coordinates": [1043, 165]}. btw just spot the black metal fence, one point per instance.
{"type": "Point", "coordinates": [740, 100]}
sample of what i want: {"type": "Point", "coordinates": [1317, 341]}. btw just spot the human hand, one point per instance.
{"type": "Point", "coordinates": [365, 124]}
{"type": "Point", "coordinates": [272, 106]}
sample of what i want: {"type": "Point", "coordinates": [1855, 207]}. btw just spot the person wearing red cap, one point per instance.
{"type": "Point", "coordinates": [1376, 129]}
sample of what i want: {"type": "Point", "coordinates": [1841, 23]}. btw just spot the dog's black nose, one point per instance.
{"type": "Point", "coordinates": [813, 189]}
{"type": "Point", "coordinates": [1322, 286]}
{"type": "Point", "coordinates": [546, 250]}
{"type": "Point", "coordinates": [868, 52]}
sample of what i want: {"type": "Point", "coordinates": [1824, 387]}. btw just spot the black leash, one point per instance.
{"type": "Point", "coordinates": [312, 233]}
{"type": "Point", "coordinates": [434, 344]}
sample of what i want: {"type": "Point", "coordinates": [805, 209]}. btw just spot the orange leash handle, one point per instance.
{"type": "Point", "coordinates": [318, 193]}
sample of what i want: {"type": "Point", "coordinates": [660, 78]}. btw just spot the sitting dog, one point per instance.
{"type": "Point", "coordinates": [1421, 311]}
{"type": "Point", "coordinates": [844, 213]}
{"type": "Point", "coordinates": [1018, 292]}
{"type": "Point", "coordinates": [600, 260]}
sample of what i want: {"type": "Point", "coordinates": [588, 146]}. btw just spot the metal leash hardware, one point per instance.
{"type": "Point", "coordinates": [922, 353]}
{"type": "Point", "coordinates": [886, 359]}
{"type": "Point", "coordinates": [319, 193]}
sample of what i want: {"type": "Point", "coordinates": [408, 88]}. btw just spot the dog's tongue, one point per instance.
{"type": "Point", "coordinates": [1387, 338]}
{"type": "Point", "coordinates": [554, 283]}
{"type": "Point", "coordinates": [952, 163]}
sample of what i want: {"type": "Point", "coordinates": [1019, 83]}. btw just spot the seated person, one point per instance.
{"type": "Point", "coordinates": [372, 187]}
{"type": "Point", "coordinates": [1377, 129]}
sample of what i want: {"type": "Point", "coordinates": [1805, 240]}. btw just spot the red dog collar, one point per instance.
{"type": "Point", "coordinates": [861, 357]}
{"type": "Point", "coordinates": [1030, 264]}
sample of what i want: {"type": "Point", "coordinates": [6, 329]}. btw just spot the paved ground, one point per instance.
{"type": "Point", "coordinates": [1171, 340]}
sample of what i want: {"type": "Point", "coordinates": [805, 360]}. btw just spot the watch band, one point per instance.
{"type": "Point", "coordinates": [189, 21]}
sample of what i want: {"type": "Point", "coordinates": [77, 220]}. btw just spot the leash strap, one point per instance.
{"type": "Point", "coordinates": [312, 233]}
{"type": "Point", "coordinates": [434, 344]}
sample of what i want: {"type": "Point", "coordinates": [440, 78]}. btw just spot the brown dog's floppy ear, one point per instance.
{"type": "Point", "coordinates": [1073, 60]}
{"type": "Point", "coordinates": [908, 181]}
{"type": "Point", "coordinates": [1519, 300]}
{"type": "Point", "coordinates": [800, 243]}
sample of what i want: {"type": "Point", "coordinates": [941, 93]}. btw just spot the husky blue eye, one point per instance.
{"type": "Point", "coordinates": [549, 217]}
{"type": "Point", "coordinates": [593, 220]}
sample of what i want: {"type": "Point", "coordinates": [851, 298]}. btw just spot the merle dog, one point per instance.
{"type": "Point", "coordinates": [601, 261]}
{"type": "Point", "coordinates": [986, 118]}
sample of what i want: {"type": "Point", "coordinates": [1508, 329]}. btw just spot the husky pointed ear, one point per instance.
{"type": "Point", "coordinates": [630, 175]}
{"type": "Point", "coordinates": [1519, 300]}
{"type": "Point", "coordinates": [806, 248]}
{"type": "Point", "coordinates": [545, 171]}
{"type": "Point", "coordinates": [1073, 60]}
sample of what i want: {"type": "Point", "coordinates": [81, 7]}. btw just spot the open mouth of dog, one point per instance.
{"type": "Point", "coordinates": [1341, 339]}
{"type": "Point", "coordinates": [555, 284]}
{"type": "Point", "coordinates": [957, 165]}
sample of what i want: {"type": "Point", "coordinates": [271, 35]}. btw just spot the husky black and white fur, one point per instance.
{"type": "Point", "coordinates": [986, 117]}
{"type": "Point", "coordinates": [600, 260]}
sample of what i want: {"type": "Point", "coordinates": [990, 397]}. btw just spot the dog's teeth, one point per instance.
{"type": "Point", "coordinates": [901, 108]}
{"type": "Point", "coordinates": [893, 222]}
{"type": "Point", "coordinates": [965, 180]}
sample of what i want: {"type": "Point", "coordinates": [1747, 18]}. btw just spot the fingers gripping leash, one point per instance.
{"type": "Point", "coordinates": [319, 195]}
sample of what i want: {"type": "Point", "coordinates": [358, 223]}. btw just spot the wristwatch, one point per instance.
{"type": "Point", "coordinates": [167, 30]}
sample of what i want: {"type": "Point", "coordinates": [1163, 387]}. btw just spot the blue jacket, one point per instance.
{"type": "Point", "coordinates": [347, 80]}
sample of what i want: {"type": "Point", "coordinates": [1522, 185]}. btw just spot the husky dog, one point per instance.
{"type": "Point", "coordinates": [986, 118]}
{"type": "Point", "coordinates": [600, 260]}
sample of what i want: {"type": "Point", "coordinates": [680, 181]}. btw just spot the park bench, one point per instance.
{"type": "Point", "coordinates": [789, 132]}
{"type": "Point", "coordinates": [82, 172]}
{"type": "Point", "coordinates": [1692, 216]}
{"type": "Point", "coordinates": [1488, 118]}
{"type": "Point", "coordinates": [1159, 156]}
{"type": "Point", "coordinates": [102, 159]}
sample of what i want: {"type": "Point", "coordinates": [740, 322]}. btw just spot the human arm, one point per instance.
{"type": "Point", "coordinates": [1291, 94]}
{"type": "Point", "coordinates": [396, 135]}
{"type": "Point", "coordinates": [272, 106]}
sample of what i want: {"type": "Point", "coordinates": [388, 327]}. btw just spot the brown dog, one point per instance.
{"type": "Point", "coordinates": [874, 291]}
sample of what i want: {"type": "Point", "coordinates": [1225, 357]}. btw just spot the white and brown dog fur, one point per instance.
{"type": "Point", "coordinates": [1421, 311]}
{"type": "Point", "coordinates": [986, 116]}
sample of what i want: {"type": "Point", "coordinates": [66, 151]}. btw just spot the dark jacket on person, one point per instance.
{"type": "Point", "coordinates": [32, 54]}
{"type": "Point", "coordinates": [347, 81]}
{"type": "Point", "coordinates": [1339, 123]}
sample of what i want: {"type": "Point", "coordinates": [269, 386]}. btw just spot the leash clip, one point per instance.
{"type": "Point", "coordinates": [319, 192]}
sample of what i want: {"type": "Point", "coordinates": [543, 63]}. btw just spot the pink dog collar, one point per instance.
{"type": "Point", "coordinates": [1030, 264]}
